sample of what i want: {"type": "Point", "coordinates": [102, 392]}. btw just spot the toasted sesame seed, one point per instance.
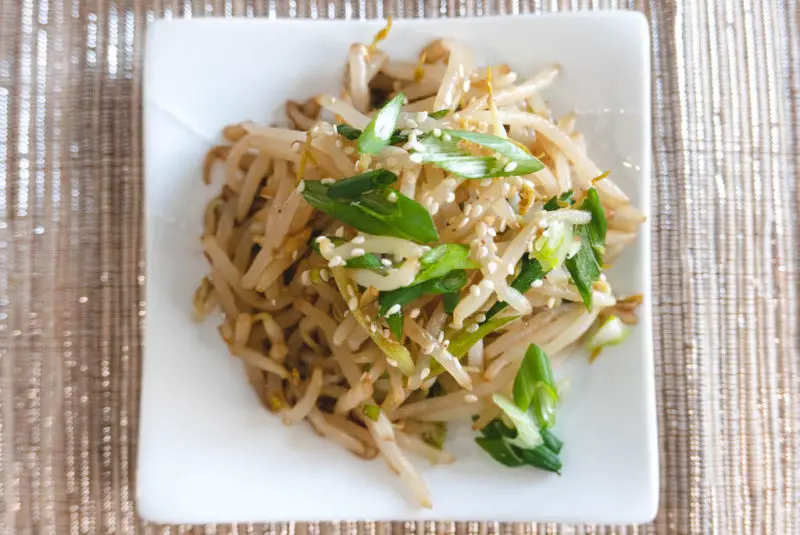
{"type": "Point", "coordinates": [428, 349]}
{"type": "Point", "coordinates": [491, 267]}
{"type": "Point", "coordinates": [603, 277]}
{"type": "Point", "coordinates": [338, 143]}
{"type": "Point", "coordinates": [339, 232]}
{"type": "Point", "coordinates": [373, 327]}
{"type": "Point", "coordinates": [358, 251]}
{"type": "Point", "coordinates": [358, 240]}
{"type": "Point", "coordinates": [305, 278]}
{"type": "Point", "coordinates": [414, 314]}
{"type": "Point", "coordinates": [392, 197]}
{"type": "Point", "coordinates": [472, 327]}
{"type": "Point", "coordinates": [467, 209]}
{"type": "Point", "coordinates": [510, 166]}
{"type": "Point", "coordinates": [538, 283]}
{"type": "Point", "coordinates": [386, 262]}
{"type": "Point", "coordinates": [352, 304]}
{"type": "Point", "coordinates": [394, 309]}
{"type": "Point", "coordinates": [378, 165]}
{"type": "Point", "coordinates": [324, 275]}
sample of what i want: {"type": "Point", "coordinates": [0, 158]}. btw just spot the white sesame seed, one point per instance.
{"type": "Point", "coordinates": [392, 197]}
{"type": "Point", "coordinates": [510, 269]}
{"type": "Point", "coordinates": [339, 232]}
{"type": "Point", "coordinates": [478, 211]}
{"type": "Point", "coordinates": [336, 261]}
{"type": "Point", "coordinates": [481, 229]}
{"type": "Point", "coordinates": [504, 189]}
{"type": "Point", "coordinates": [357, 252]}
{"type": "Point", "coordinates": [373, 327]}
{"type": "Point", "coordinates": [446, 137]}
{"type": "Point", "coordinates": [537, 283]}
{"type": "Point", "coordinates": [320, 239]}
{"type": "Point", "coordinates": [352, 304]}
{"type": "Point", "coordinates": [417, 132]}
{"type": "Point", "coordinates": [411, 123]}
{"type": "Point", "coordinates": [551, 302]}
{"type": "Point", "coordinates": [603, 277]}
{"type": "Point", "coordinates": [503, 225]}
{"type": "Point", "coordinates": [492, 232]}
{"type": "Point", "coordinates": [470, 398]}
{"type": "Point", "coordinates": [315, 131]}
{"type": "Point", "coordinates": [465, 86]}
{"type": "Point", "coordinates": [467, 209]}
{"type": "Point", "coordinates": [491, 267]}
{"type": "Point", "coordinates": [475, 290]}
{"type": "Point", "coordinates": [421, 116]}
{"type": "Point", "coordinates": [295, 254]}
{"type": "Point", "coordinates": [428, 349]}
{"type": "Point", "coordinates": [542, 224]}
{"type": "Point", "coordinates": [386, 262]}
{"type": "Point", "coordinates": [436, 132]}
{"type": "Point", "coordinates": [450, 197]}
{"type": "Point", "coordinates": [301, 187]}
{"type": "Point", "coordinates": [483, 252]}
{"type": "Point", "coordinates": [487, 284]}
{"type": "Point", "coordinates": [305, 278]}
{"type": "Point", "coordinates": [510, 166]}
{"type": "Point", "coordinates": [414, 314]}
{"type": "Point", "coordinates": [424, 373]}
{"type": "Point", "coordinates": [323, 274]}
{"type": "Point", "coordinates": [463, 223]}
{"type": "Point", "coordinates": [450, 183]}
{"type": "Point", "coordinates": [349, 150]}
{"type": "Point", "coordinates": [472, 327]}
{"type": "Point", "coordinates": [486, 182]}
{"type": "Point", "coordinates": [480, 318]}
{"type": "Point", "coordinates": [446, 344]}
{"type": "Point", "coordinates": [338, 143]}
{"type": "Point", "coordinates": [391, 362]}
{"type": "Point", "coordinates": [358, 240]}
{"type": "Point", "coordinates": [296, 146]}
{"type": "Point", "coordinates": [387, 333]}
{"type": "Point", "coordinates": [351, 292]}
{"type": "Point", "coordinates": [434, 208]}
{"type": "Point", "coordinates": [394, 309]}
{"type": "Point", "coordinates": [416, 158]}
{"type": "Point", "coordinates": [441, 337]}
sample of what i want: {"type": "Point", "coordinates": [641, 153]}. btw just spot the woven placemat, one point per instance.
{"type": "Point", "coordinates": [726, 93]}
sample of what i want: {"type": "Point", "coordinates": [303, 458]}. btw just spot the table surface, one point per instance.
{"type": "Point", "coordinates": [726, 143]}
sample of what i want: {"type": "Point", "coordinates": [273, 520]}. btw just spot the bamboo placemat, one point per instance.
{"type": "Point", "coordinates": [726, 84]}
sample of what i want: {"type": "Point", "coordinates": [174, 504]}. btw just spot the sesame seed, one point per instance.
{"type": "Point", "coordinates": [338, 143]}
{"type": "Point", "coordinates": [486, 182]}
{"type": "Point", "coordinates": [392, 197]}
{"type": "Point", "coordinates": [378, 165]}
{"type": "Point", "coordinates": [551, 302]}
{"type": "Point", "coordinates": [510, 269]}
{"type": "Point", "coordinates": [373, 327]}
{"type": "Point", "coordinates": [482, 228]}
{"type": "Point", "coordinates": [352, 304]}
{"type": "Point", "coordinates": [357, 252]}
{"type": "Point", "coordinates": [386, 262]}
{"type": "Point", "coordinates": [421, 116]}
{"type": "Point", "coordinates": [446, 137]}
{"type": "Point", "coordinates": [305, 278]}
{"type": "Point", "coordinates": [296, 146]}
{"type": "Point", "coordinates": [394, 309]}
{"type": "Point", "coordinates": [336, 261]}
{"type": "Point", "coordinates": [603, 277]}
{"type": "Point", "coordinates": [491, 267]}
{"type": "Point", "coordinates": [480, 318]}
{"type": "Point", "coordinates": [416, 158]}
{"type": "Point", "coordinates": [478, 211]}
{"type": "Point", "coordinates": [391, 362]}
{"type": "Point", "coordinates": [450, 197]}
{"type": "Point", "coordinates": [349, 150]}
{"type": "Point", "coordinates": [441, 337]}
{"type": "Point", "coordinates": [463, 223]}
{"type": "Point", "coordinates": [483, 252]}
{"type": "Point", "coordinates": [358, 240]}
{"type": "Point", "coordinates": [510, 166]}
{"type": "Point", "coordinates": [537, 283]}
{"type": "Point", "coordinates": [295, 254]}
{"type": "Point", "coordinates": [323, 274]}
{"type": "Point", "coordinates": [320, 239]}
{"type": "Point", "coordinates": [487, 284]}
{"type": "Point", "coordinates": [492, 232]}
{"type": "Point", "coordinates": [434, 208]}
{"type": "Point", "coordinates": [467, 209]}
{"type": "Point", "coordinates": [542, 224]}
{"type": "Point", "coordinates": [470, 398]}
{"type": "Point", "coordinates": [301, 187]}
{"type": "Point", "coordinates": [424, 373]}
{"type": "Point", "coordinates": [475, 290]}
{"type": "Point", "coordinates": [351, 292]}
{"type": "Point", "coordinates": [411, 123]}
{"type": "Point", "coordinates": [437, 132]}
{"type": "Point", "coordinates": [450, 183]}
{"type": "Point", "coordinates": [339, 232]}
{"type": "Point", "coordinates": [387, 333]}
{"type": "Point", "coordinates": [465, 86]}
{"type": "Point", "coordinates": [446, 344]}
{"type": "Point", "coordinates": [504, 189]}
{"type": "Point", "coordinates": [472, 327]}
{"type": "Point", "coordinates": [428, 349]}
{"type": "Point", "coordinates": [414, 313]}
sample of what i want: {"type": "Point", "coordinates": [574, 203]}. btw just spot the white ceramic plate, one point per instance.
{"type": "Point", "coordinates": [208, 452]}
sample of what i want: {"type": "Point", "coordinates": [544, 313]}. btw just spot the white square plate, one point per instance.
{"type": "Point", "coordinates": [208, 452]}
